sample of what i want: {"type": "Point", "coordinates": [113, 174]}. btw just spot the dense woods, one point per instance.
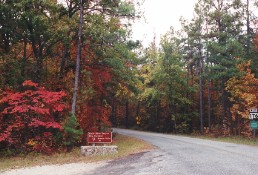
{"type": "Point", "coordinates": [69, 67]}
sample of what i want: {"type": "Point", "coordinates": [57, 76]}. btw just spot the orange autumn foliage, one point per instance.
{"type": "Point", "coordinates": [243, 90]}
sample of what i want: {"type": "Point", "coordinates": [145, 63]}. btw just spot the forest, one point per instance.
{"type": "Point", "coordinates": [69, 67]}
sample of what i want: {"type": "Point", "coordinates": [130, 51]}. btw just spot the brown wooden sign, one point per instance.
{"type": "Point", "coordinates": [99, 137]}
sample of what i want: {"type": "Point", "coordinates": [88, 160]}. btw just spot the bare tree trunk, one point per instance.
{"type": "Point", "coordinates": [209, 105]}
{"type": "Point", "coordinates": [201, 96]}
{"type": "Point", "coordinates": [223, 103]}
{"type": "Point", "coordinates": [78, 58]}
{"type": "Point", "coordinates": [39, 65]}
{"type": "Point", "coordinates": [127, 114]}
{"type": "Point", "coordinates": [157, 116]}
{"type": "Point", "coordinates": [113, 117]}
{"type": "Point", "coordinates": [238, 126]}
{"type": "Point", "coordinates": [248, 29]}
{"type": "Point", "coordinates": [24, 56]}
{"type": "Point", "coordinates": [63, 62]}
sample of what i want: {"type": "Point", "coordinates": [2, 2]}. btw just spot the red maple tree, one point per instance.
{"type": "Point", "coordinates": [31, 119]}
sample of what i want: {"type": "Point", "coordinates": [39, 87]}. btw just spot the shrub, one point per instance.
{"type": "Point", "coordinates": [72, 132]}
{"type": "Point", "coordinates": [31, 119]}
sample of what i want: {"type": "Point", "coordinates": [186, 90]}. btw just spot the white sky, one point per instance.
{"type": "Point", "coordinates": [160, 15]}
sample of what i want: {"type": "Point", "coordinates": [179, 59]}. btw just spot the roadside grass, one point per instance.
{"type": "Point", "coordinates": [126, 146]}
{"type": "Point", "coordinates": [230, 139]}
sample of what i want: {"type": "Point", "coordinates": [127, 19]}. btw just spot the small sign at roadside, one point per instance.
{"type": "Point", "coordinates": [99, 137]}
{"type": "Point", "coordinates": [253, 114]}
{"type": "Point", "coordinates": [254, 124]}
{"type": "Point", "coordinates": [253, 110]}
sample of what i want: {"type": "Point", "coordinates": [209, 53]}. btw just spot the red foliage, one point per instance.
{"type": "Point", "coordinates": [94, 112]}
{"type": "Point", "coordinates": [27, 116]}
{"type": "Point", "coordinates": [100, 77]}
{"type": "Point", "coordinates": [94, 117]}
{"type": "Point", "coordinates": [92, 109]}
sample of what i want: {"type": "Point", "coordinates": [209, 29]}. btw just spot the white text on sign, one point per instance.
{"type": "Point", "coordinates": [253, 115]}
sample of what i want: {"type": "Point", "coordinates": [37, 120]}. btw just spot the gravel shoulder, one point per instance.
{"type": "Point", "coordinates": [69, 169]}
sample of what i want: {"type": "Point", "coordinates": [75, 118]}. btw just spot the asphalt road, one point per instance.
{"type": "Point", "coordinates": [176, 155]}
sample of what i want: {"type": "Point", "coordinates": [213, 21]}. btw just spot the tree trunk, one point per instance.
{"type": "Point", "coordinates": [39, 65]}
{"type": "Point", "coordinates": [78, 58]}
{"type": "Point", "coordinates": [224, 104]}
{"type": "Point", "coordinates": [113, 113]}
{"type": "Point", "coordinates": [201, 95]}
{"type": "Point", "coordinates": [248, 39]}
{"type": "Point", "coordinates": [157, 116]}
{"type": "Point", "coordinates": [209, 105]}
{"type": "Point", "coordinates": [63, 62]}
{"type": "Point", "coordinates": [6, 42]}
{"type": "Point", "coordinates": [238, 125]}
{"type": "Point", "coordinates": [138, 113]}
{"type": "Point", "coordinates": [24, 57]}
{"type": "Point", "coordinates": [127, 114]}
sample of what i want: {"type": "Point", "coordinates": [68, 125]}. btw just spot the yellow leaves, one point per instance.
{"type": "Point", "coordinates": [244, 65]}
{"type": "Point", "coordinates": [122, 91]}
{"type": "Point", "coordinates": [32, 142]}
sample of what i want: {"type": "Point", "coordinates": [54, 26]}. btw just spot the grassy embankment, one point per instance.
{"type": "Point", "coordinates": [126, 146]}
{"type": "Point", "coordinates": [231, 139]}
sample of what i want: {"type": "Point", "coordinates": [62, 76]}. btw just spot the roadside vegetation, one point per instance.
{"type": "Point", "coordinates": [126, 146]}
{"type": "Point", "coordinates": [70, 68]}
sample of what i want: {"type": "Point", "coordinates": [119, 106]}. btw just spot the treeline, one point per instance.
{"type": "Point", "coordinates": [40, 44]}
{"type": "Point", "coordinates": [199, 79]}
{"type": "Point", "coordinates": [203, 77]}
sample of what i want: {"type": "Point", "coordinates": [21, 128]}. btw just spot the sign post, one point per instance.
{"type": "Point", "coordinates": [253, 116]}
{"type": "Point", "coordinates": [99, 138]}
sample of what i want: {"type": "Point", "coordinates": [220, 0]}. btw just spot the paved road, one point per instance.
{"type": "Point", "coordinates": [176, 155]}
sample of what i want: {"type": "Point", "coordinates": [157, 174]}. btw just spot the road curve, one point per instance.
{"type": "Point", "coordinates": [176, 155]}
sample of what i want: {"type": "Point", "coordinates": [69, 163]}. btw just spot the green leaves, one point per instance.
{"type": "Point", "coordinates": [72, 131]}
{"type": "Point", "coordinates": [126, 9]}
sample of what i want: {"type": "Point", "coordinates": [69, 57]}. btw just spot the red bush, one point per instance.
{"type": "Point", "coordinates": [31, 119]}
